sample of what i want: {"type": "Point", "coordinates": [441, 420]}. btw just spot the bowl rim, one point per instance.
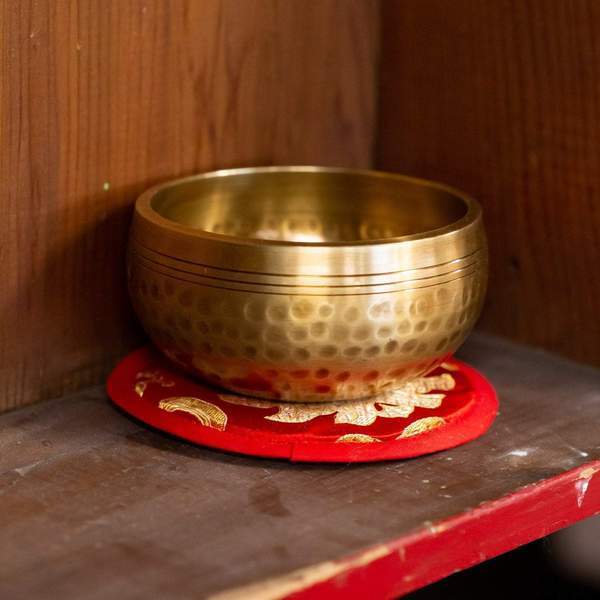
{"type": "Point", "coordinates": [144, 208]}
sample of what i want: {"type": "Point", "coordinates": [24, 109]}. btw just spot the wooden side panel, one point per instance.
{"type": "Point", "coordinates": [99, 99]}
{"type": "Point", "coordinates": [501, 98]}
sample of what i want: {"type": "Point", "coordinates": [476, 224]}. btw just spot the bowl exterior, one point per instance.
{"type": "Point", "coordinates": [306, 322]}
{"type": "Point", "coordinates": [306, 343]}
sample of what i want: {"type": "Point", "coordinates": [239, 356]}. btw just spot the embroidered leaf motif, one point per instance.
{"type": "Point", "coordinates": [356, 438]}
{"type": "Point", "coordinates": [143, 378]}
{"type": "Point", "coordinates": [208, 414]}
{"type": "Point", "coordinates": [450, 366]}
{"type": "Point", "coordinates": [394, 404]}
{"type": "Point", "coordinates": [421, 426]}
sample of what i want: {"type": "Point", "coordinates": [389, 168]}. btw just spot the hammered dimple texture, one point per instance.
{"type": "Point", "coordinates": [306, 347]}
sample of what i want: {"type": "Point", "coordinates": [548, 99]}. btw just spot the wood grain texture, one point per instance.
{"type": "Point", "coordinates": [93, 505]}
{"type": "Point", "coordinates": [501, 99]}
{"type": "Point", "coordinates": [99, 99]}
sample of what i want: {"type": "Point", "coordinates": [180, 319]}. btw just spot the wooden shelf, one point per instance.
{"type": "Point", "coordinates": [93, 505]}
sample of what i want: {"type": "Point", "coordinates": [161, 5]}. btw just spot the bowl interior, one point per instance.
{"type": "Point", "coordinates": [309, 206]}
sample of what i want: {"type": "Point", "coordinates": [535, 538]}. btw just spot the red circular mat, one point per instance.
{"type": "Point", "coordinates": [450, 406]}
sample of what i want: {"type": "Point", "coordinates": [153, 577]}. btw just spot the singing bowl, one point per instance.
{"type": "Point", "coordinates": [304, 283]}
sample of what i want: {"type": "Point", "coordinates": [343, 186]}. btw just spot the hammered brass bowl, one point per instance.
{"type": "Point", "coordinates": [304, 283]}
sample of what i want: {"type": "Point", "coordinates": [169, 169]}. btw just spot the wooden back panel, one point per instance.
{"type": "Point", "coordinates": [100, 99]}
{"type": "Point", "coordinates": [501, 98]}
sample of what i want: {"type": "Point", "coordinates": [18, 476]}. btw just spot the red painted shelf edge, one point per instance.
{"type": "Point", "coordinates": [442, 548]}
{"type": "Point", "coordinates": [461, 541]}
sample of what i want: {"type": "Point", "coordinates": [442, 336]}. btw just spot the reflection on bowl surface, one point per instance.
{"type": "Point", "coordinates": [305, 283]}
{"type": "Point", "coordinates": [301, 207]}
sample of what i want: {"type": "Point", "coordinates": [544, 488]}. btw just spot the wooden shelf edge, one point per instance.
{"type": "Point", "coordinates": [438, 549]}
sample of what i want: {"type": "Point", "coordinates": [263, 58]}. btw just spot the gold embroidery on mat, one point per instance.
{"type": "Point", "coordinates": [356, 438]}
{"type": "Point", "coordinates": [143, 378]}
{"type": "Point", "coordinates": [394, 404]}
{"type": "Point", "coordinates": [450, 366]}
{"type": "Point", "coordinates": [208, 414]}
{"type": "Point", "coordinates": [421, 426]}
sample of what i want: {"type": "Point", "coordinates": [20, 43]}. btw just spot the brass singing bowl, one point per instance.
{"type": "Point", "coordinates": [305, 283]}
